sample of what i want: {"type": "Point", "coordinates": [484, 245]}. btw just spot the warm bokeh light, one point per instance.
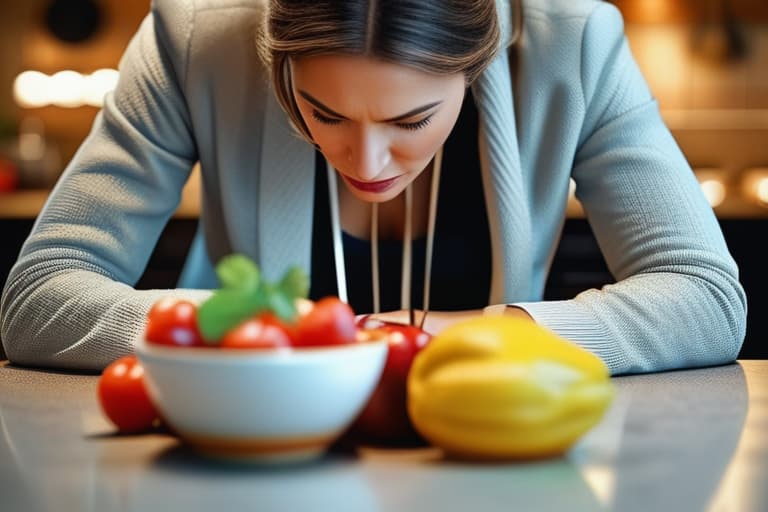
{"type": "Point", "coordinates": [656, 11]}
{"type": "Point", "coordinates": [574, 208]}
{"type": "Point", "coordinates": [99, 83]}
{"type": "Point", "coordinates": [712, 184]}
{"type": "Point", "coordinates": [30, 89]}
{"type": "Point", "coordinates": [66, 88]}
{"type": "Point", "coordinates": [714, 190]}
{"type": "Point", "coordinates": [762, 191]}
{"type": "Point", "coordinates": [754, 185]}
{"type": "Point", "coordinates": [662, 11]}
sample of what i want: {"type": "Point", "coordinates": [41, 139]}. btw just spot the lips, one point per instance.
{"type": "Point", "coordinates": [373, 186]}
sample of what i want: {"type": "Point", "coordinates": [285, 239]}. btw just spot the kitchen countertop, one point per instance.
{"type": "Point", "coordinates": [689, 440]}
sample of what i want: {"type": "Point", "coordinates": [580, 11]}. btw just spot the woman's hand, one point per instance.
{"type": "Point", "coordinates": [436, 321]}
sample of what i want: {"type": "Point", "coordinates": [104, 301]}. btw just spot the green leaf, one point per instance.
{"type": "Point", "coordinates": [282, 305]}
{"type": "Point", "coordinates": [294, 283]}
{"type": "Point", "coordinates": [225, 309]}
{"type": "Point", "coordinates": [238, 271]}
{"type": "Point", "coordinates": [244, 294]}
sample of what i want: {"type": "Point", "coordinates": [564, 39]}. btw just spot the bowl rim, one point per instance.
{"type": "Point", "coordinates": [216, 354]}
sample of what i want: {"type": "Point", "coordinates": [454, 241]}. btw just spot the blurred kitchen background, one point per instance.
{"type": "Point", "coordinates": [705, 60]}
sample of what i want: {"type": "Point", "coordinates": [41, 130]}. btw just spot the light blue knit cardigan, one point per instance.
{"type": "Point", "coordinates": [191, 89]}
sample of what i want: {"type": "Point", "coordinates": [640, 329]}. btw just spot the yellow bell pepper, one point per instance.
{"type": "Point", "coordinates": [505, 388]}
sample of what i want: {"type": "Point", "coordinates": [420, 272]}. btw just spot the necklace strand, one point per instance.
{"type": "Point", "coordinates": [407, 255]}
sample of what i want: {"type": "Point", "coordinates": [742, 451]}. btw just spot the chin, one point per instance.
{"type": "Point", "coordinates": [371, 197]}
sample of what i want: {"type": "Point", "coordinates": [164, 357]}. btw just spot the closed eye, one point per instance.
{"type": "Point", "coordinates": [417, 125]}
{"type": "Point", "coordinates": [322, 118]}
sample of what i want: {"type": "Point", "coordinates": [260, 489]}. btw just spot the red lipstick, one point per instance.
{"type": "Point", "coordinates": [375, 187]}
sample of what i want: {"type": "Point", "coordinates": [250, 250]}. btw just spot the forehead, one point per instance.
{"type": "Point", "coordinates": [348, 80]}
{"type": "Point", "coordinates": [359, 65]}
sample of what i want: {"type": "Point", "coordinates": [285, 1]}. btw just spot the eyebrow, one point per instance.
{"type": "Point", "coordinates": [418, 110]}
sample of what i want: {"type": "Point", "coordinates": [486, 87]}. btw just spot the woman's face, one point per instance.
{"type": "Point", "coordinates": [379, 124]}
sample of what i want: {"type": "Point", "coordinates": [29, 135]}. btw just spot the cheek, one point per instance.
{"type": "Point", "coordinates": [327, 137]}
{"type": "Point", "coordinates": [330, 138]}
{"type": "Point", "coordinates": [330, 142]}
{"type": "Point", "coordinates": [415, 146]}
{"type": "Point", "coordinates": [422, 144]}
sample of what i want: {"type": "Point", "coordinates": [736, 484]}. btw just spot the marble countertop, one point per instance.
{"type": "Point", "coordinates": [692, 440]}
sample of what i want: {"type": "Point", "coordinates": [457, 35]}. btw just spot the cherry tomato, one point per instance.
{"type": "Point", "coordinates": [263, 331]}
{"type": "Point", "coordinates": [173, 321]}
{"type": "Point", "coordinates": [330, 322]}
{"type": "Point", "coordinates": [123, 396]}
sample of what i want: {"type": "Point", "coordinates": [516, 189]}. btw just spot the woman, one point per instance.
{"type": "Point", "coordinates": [474, 113]}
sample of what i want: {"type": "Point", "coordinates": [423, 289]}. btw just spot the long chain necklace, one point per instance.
{"type": "Point", "coordinates": [407, 254]}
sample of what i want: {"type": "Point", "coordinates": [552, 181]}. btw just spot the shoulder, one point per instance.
{"type": "Point", "coordinates": [570, 39]}
{"type": "Point", "coordinates": [203, 23]}
{"type": "Point", "coordinates": [564, 10]}
{"type": "Point", "coordinates": [180, 9]}
{"type": "Point", "coordinates": [209, 38]}
{"type": "Point", "coordinates": [572, 22]}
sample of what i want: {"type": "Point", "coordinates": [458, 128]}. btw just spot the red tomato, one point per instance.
{"type": "Point", "coordinates": [329, 322]}
{"type": "Point", "coordinates": [263, 331]}
{"type": "Point", "coordinates": [123, 396]}
{"type": "Point", "coordinates": [384, 419]}
{"type": "Point", "coordinates": [173, 321]}
{"type": "Point", "coordinates": [9, 176]}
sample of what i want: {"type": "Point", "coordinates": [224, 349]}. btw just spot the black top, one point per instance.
{"type": "Point", "coordinates": [461, 261]}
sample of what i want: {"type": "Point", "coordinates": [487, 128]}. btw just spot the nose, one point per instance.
{"type": "Point", "coordinates": [368, 154]}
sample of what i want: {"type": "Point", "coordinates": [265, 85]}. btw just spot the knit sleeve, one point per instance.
{"type": "Point", "coordinates": [677, 301]}
{"type": "Point", "coordinates": [69, 300]}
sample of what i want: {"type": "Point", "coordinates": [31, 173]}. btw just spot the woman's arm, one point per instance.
{"type": "Point", "coordinates": [677, 301]}
{"type": "Point", "coordinates": [436, 321]}
{"type": "Point", "coordinates": [69, 301]}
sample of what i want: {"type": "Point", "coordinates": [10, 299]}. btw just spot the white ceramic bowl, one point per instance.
{"type": "Point", "coordinates": [261, 405]}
